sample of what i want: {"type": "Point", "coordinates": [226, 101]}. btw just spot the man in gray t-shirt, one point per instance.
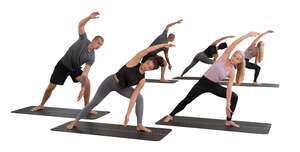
{"type": "Point", "coordinates": [81, 52]}
{"type": "Point", "coordinates": [163, 38]}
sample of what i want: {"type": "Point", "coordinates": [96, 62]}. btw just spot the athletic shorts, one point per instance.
{"type": "Point", "coordinates": [61, 73]}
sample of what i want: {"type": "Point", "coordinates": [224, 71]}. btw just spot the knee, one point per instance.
{"type": "Point", "coordinates": [50, 88]}
{"type": "Point", "coordinates": [257, 68]}
{"type": "Point", "coordinates": [140, 99]}
{"type": "Point", "coordinates": [234, 97]}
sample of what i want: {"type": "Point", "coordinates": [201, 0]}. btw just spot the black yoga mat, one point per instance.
{"type": "Point", "coordinates": [251, 84]}
{"type": "Point", "coordinates": [216, 124]}
{"type": "Point", "coordinates": [192, 78]}
{"type": "Point", "coordinates": [114, 130]}
{"type": "Point", "coordinates": [59, 112]}
{"type": "Point", "coordinates": [158, 81]}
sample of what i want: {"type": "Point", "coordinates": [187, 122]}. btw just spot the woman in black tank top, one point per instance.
{"type": "Point", "coordinates": [132, 73]}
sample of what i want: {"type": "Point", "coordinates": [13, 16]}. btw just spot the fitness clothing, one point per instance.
{"type": "Point", "coordinates": [217, 71]}
{"type": "Point", "coordinates": [202, 86]}
{"type": "Point", "coordinates": [107, 86]}
{"type": "Point", "coordinates": [78, 54]}
{"type": "Point", "coordinates": [256, 67]}
{"type": "Point", "coordinates": [61, 73]}
{"type": "Point", "coordinates": [248, 53]}
{"type": "Point", "coordinates": [130, 76]}
{"type": "Point", "coordinates": [161, 39]}
{"type": "Point", "coordinates": [199, 57]}
{"type": "Point", "coordinates": [210, 51]}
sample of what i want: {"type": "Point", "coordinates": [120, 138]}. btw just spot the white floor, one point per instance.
{"type": "Point", "coordinates": [35, 35]}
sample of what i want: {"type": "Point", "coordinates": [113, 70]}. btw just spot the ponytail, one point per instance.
{"type": "Point", "coordinates": [260, 55]}
{"type": "Point", "coordinates": [240, 70]}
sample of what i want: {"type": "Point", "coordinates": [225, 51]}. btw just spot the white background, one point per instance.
{"type": "Point", "coordinates": [36, 34]}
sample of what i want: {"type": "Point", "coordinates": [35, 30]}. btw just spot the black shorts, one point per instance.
{"type": "Point", "coordinates": [61, 73]}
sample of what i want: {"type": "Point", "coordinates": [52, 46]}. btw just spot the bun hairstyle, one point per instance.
{"type": "Point", "coordinates": [260, 55]}
{"type": "Point", "coordinates": [158, 61]}
{"type": "Point", "coordinates": [240, 70]}
{"type": "Point", "coordinates": [222, 46]}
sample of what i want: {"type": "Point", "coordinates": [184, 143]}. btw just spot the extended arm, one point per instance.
{"type": "Point", "coordinates": [221, 39]}
{"type": "Point", "coordinates": [257, 39]}
{"type": "Point", "coordinates": [226, 54]}
{"type": "Point", "coordinates": [137, 58]}
{"type": "Point", "coordinates": [229, 93]}
{"type": "Point", "coordinates": [84, 21]}
{"type": "Point", "coordinates": [171, 24]}
{"type": "Point", "coordinates": [133, 98]}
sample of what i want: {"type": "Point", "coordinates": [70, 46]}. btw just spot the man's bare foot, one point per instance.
{"type": "Point", "coordinates": [93, 112]}
{"type": "Point", "coordinates": [164, 80]}
{"type": "Point", "coordinates": [37, 108]}
{"type": "Point", "coordinates": [231, 124]}
{"type": "Point", "coordinates": [256, 84]}
{"type": "Point", "coordinates": [168, 118]}
{"type": "Point", "coordinates": [72, 124]}
{"type": "Point", "coordinates": [142, 128]}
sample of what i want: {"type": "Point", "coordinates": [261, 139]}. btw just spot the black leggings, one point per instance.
{"type": "Point", "coordinates": [202, 86]}
{"type": "Point", "coordinates": [250, 65]}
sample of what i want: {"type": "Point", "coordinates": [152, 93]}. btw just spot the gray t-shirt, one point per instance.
{"type": "Point", "coordinates": [161, 39]}
{"type": "Point", "coordinates": [78, 54]}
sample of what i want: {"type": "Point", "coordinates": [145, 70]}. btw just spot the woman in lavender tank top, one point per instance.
{"type": "Point", "coordinates": [256, 49]}
{"type": "Point", "coordinates": [222, 68]}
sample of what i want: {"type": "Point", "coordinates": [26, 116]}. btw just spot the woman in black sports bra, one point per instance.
{"type": "Point", "coordinates": [132, 73]}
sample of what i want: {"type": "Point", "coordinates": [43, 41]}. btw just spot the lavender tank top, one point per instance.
{"type": "Point", "coordinates": [248, 53]}
{"type": "Point", "coordinates": [217, 72]}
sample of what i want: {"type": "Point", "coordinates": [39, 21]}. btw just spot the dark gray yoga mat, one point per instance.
{"type": "Point", "coordinates": [217, 124]}
{"type": "Point", "coordinates": [59, 112]}
{"type": "Point", "coordinates": [192, 78]}
{"type": "Point", "coordinates": [114, 130]}
{"type": "Point", "coordinates": [251, 84]}
{"type": "Point", "coordinates": [158, 81]}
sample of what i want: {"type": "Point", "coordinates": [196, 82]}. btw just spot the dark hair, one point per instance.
{"type": "Point", "coordinates": [171, 35]}
{"type": "Point", "coordinates": [98, 37]}
{"type": "Point", "coordinates": [158, 61]}
{"type": "Point", "coordinates": [222, 45]}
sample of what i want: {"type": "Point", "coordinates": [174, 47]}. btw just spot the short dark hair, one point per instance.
{"type": "Point", "coordinates": [171, 35]}
{"type": "Point", "coordinates": [98, 37]}
{"type": "Point", "coordinates": [158, 61]}
{"type": "Point", "coordinates": [222, 45]}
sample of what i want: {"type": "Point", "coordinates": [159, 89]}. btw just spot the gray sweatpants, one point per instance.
{"type": "Point", "coordinates": [107, 86]}
{"type": "Point", "coordinates": [199, 57]}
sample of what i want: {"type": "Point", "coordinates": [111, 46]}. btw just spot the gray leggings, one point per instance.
{"type": "Point", "coordinates": [107, 86]}
{"type": "Point", "coordinates": [199, 57]}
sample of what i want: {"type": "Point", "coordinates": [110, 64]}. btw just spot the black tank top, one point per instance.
{"type": "Point", "coordinates": [129, 76]}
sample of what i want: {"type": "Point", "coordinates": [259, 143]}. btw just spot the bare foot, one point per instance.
{"type": "Point", "coordinates": [181, 76]}
{"type": "Point", "coordinates": [168, 118]}
{"type": "Point", "coordinates": [164, 80]}
{"type": "Point", "coordinates": [72, 124]}
{"type": "Point", "coordinates": [142, 128]}
{"type": "Point", "coordinates": [231, 124]}
{"type": "Point", "coordinates": [37, 108]}
{"type": "Point", "coordinates": [93, 112]}
{"type": "Point", "coordinates": [256, 84]}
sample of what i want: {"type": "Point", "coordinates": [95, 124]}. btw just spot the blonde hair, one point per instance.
{"type": "Point", "coordinates": [260, 55]}
{"type": "Point", "coordinates": [240, 70]}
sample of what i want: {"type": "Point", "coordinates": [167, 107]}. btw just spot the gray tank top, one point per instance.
{"type": "Point", "coordinates": [249, 52]}
{"type": "Point", "coordinates": [217, 72]}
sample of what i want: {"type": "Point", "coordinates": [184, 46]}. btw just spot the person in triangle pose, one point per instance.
{"type": "Point", "coordinates": [209, 82]}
